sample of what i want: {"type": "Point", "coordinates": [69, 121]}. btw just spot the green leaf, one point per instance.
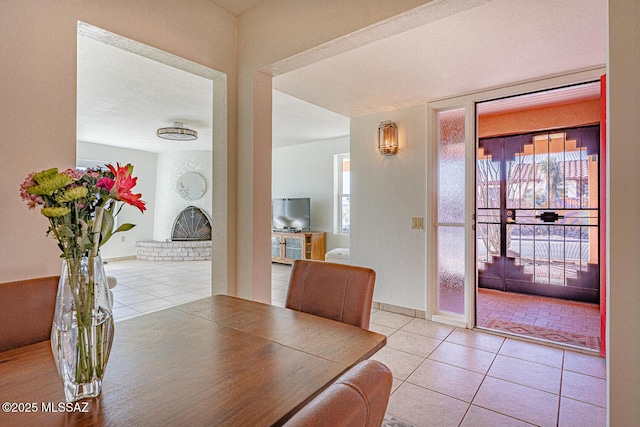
{"type": "Point", "coordinates": [124, 227]}
{"type": "Point", "coordinates": [106, 229]}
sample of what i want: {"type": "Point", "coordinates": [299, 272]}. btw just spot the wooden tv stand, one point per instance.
{"type": "Point", "coordinates": [287, 246]}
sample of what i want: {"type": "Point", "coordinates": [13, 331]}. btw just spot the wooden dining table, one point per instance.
{"type": "Point", "coordinates": [220, 360]}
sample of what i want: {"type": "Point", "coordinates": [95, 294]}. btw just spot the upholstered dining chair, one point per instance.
{"type": "Point", "coordinates": [26, 311]}
{"type": "Point", "coordinates": [336, 291]}
{"type": "Point", "coordinates": [358, 398]}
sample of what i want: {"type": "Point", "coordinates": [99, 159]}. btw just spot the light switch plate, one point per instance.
{"type": "Point", "coordinates": [416, 223]}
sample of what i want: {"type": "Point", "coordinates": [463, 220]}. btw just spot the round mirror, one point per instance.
{"type": "Point", "coordinates": [191, 186]}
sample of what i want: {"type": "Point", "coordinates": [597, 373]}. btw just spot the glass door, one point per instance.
{"type": "Point", "coordinates": [538, 214]}
{"type": "Point", "coordinates": [516, 211]}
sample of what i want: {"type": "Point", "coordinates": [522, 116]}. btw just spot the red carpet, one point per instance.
{"type": "Point", "coordinates": [564, 337]}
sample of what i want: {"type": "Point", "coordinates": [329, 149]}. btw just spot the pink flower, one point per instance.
{"type": "Point", "coordinates": [120, 188]}
{"type": "Point", "coordinates": [74, 174]}
{"type": "Point", "coordinates": [28, 182]}
{"type": "Point", "coordinates": [93, 173]}
{"type": "Point", "coordinates": [32, 200]}
{"type": "Point", "coordinates": [106, 183]}
{"type": "Point", "coordinates": [37, 200]}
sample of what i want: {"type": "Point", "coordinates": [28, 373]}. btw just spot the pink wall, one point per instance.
{"type": "Point", "coordinates": [38, 103]}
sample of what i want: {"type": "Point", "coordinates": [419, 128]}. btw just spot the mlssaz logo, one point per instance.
{"type": "Point", "coordinates": [65, 407]}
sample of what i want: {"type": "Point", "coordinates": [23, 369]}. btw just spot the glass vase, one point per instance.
{"type": "Point", "coordinates": [82, 331]}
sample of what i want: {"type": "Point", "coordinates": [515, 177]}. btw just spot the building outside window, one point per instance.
{"type": "Point", "coordinates": [342, 187]}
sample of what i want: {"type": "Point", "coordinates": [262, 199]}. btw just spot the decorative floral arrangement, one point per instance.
{"type": "Point", "coordinates": [80, 205]}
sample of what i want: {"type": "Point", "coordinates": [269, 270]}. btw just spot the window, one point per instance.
{"type": "Point", "coordinates": [342, 209]}
{"type": "Point", "coordinates": [451, 210]}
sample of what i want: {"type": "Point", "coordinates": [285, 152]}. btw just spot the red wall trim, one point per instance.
{"type": "Point", "coordinates": [603, 215]}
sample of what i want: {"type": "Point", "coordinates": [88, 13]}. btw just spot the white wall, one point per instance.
{"type": "Point", "coordinates": [157, 180]}
{"type": "Point", "coordinates": [306, 170]}
{"type": "Point", "coordinates": [273, 31]}
{"type": "Point", "coordinates": [171, 166]}
{"type": "Point", "coordinates": [144, 167]}
{"type": "Point", "coordinates": [386, 191]}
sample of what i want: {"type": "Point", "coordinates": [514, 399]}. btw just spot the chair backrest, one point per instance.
{"type": "Point", "coordinates": [358, 398]}
{"type": "Point", "coordinates": [336, 291]}
{"type": "Point", "coordinates": [26, 311]}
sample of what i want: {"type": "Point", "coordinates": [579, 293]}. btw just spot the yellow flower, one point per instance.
{"type": "Point", "coordinates": [54, 212]}
{"type": "Point", "coordinates": [51, 185]}
{"type": "Point", "coordinates": [72, 194]}
{"type": "Point", "coordinates": [40, 177]}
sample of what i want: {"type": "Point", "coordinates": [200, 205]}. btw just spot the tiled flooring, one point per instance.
{"type": "Point", "coordinates": [446, 376]}
{"type": "Point", "coordinates": [566, 317]}
{"type": "Point", "coordinates": [147, 286]}
{"type": "Point", "coordinates": [443, 376]}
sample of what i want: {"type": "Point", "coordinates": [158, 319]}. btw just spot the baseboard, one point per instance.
{"type": "Point", "coordinates": [122, 258]}
{"type": "Point", "coordinates": [420, 314]}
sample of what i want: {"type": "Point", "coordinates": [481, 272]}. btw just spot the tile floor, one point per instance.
{"type": "Point", "coordinates": [443, 376]}
{"type": "Point", "coordinates": [147, 286]}
{"type": "Point", "coordinates": [572, 317]}
{"type": "Point", "coordinates": [446, 376]}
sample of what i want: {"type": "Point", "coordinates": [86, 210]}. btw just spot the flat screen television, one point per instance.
{"type": "Point", "coordinates": [291, 214]}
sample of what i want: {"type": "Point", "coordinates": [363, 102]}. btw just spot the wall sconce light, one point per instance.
{"type": "Point", "coordinates": [387, 138]}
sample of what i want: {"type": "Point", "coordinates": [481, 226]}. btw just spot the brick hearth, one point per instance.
{"type": "Point", "coordinates": [174, 251]}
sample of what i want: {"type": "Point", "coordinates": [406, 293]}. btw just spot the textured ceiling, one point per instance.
{"type": "Point", "coordinates": [296, 121]}
{"type": "Point", "coordinates": [473, 45]}
{"type": "Point", "coordinates": [124, 97]}
{"type": "Point", "coordinates": [492, 44]}
{"type": "Point", "coordinates": [558, 96]}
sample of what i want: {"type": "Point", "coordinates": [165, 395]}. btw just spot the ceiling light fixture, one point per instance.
{"type": "Point", "coordinates": [177, 133]}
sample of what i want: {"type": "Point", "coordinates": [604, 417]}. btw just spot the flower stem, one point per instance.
{"type": "Point", "coordinates": [97, 226]}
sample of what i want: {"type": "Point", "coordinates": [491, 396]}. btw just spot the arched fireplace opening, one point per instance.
{"type": "Point", "coordinates": [190, 240]}
{"type": "Point", "coordinates": [191, 224]}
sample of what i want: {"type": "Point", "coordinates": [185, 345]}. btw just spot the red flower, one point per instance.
{"type": "Point", "coordinates": [120, 187]}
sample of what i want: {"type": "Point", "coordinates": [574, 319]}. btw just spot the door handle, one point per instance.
{"type": "Point", "coordinates": [549, 216]}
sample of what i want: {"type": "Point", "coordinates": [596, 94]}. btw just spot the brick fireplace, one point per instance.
{"type": "Point", "coordinates": [174, 251]}
{"type": "Point", "coordinates": [190, 240]}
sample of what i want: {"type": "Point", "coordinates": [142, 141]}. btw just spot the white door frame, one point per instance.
{"type": "Point", "coordinates": [467, 320]}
